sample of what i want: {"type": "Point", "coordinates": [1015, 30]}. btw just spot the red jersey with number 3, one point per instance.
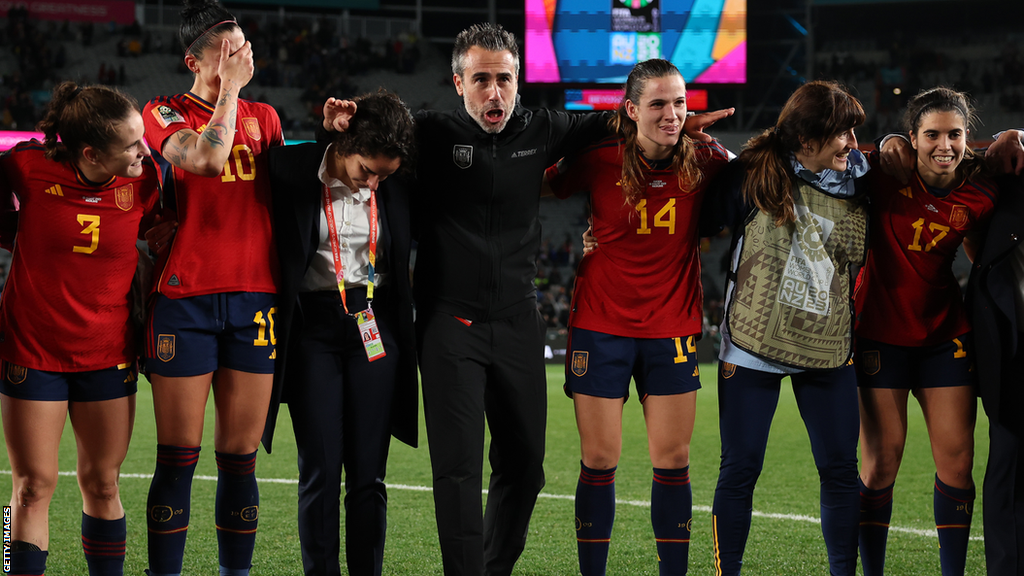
{"type": "Point", "coordinates": [643, 281]}
{"type": "Point", "coordinates": [65, 306]}
{"type": "Point", "coordinates": [907, 294]}
{"type": "Point", "coordinates": [224, 241]}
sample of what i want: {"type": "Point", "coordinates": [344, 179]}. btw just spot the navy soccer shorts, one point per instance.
{"type": "Point", "coordinates": [882, 365]}
{"type": "Point", "coordinates": [197, 335]}
{"type": "Point", "coordinates": [91, 386]}
{"type": "Point", "coordinates": [600, 364]}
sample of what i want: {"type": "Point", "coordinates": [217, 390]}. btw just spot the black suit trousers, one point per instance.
{"type": "Point", "coordinates": [340, 408]}
{"type": "Point", "coordinates": [1003, 489]}
{"type": "Point", "coordinates": [494, 368]}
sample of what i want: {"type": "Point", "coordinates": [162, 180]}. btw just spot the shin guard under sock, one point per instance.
{"type": "Point", "coordinates": [953, 511]}
{"type": "Point", "coordinates": [167, 508]}
{"type": "Point", "coordinates": [238, 510]}
{"type": "Point", "coordinates": [103, 542]}
{"type": "Point", "coordinates": [595, 515]}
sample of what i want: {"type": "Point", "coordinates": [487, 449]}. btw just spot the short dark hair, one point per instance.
{"type": "Point", "coordinates": [491, 37]}
{"type": "Point", "coordinates": [381, 126]}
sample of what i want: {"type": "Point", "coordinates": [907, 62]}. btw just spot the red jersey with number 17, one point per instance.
{"type": "Point", "coordinates": [65, 306]}
{"type": "Point", "coordinates": [907, 294]}
{"type": "Point", "coordinates": [224, 241]}
{"type": "Point", "coordinates": [643, 281]}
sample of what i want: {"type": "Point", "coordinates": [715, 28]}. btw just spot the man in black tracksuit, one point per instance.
{"type": "Point", "coordinates": [480, 336]}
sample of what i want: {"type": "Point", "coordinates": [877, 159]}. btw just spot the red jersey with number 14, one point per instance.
{"type": "Point", "coordinates": [907, 294]}
{"type": "Point", "coordinates": [643, 281]}
{"type": "Point", "coordinates": [65, 306]}
{"type": "Point", "coordinates": [224, 241]}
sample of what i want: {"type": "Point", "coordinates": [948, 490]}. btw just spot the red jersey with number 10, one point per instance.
{"type": "Point", "coordinates": [907, 294]}
{"type": "Point", "coordinates": [224, 241]}
{"type": "Point", "coordinates": [643, 281]}
{"type": "Point", "coordinates": [65, 306]}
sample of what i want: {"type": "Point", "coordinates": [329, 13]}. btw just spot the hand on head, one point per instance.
{"type": "Point", "coordinates": [337, 114]}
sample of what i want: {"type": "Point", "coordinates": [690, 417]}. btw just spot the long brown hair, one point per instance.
{"type": "Point", "coordinates": [815, 112]}
{"type": "Point", "coordinates": [683, 155]}
{"type": "Point", "coordinates": [943, 99]}
{"type": "Point", "coordinates": [83, 116]}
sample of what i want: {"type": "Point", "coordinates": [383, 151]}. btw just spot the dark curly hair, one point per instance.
{"type": "Point", "coordinates": [83, 116]}
{"type": "Point", "coordinates": [381, 126]}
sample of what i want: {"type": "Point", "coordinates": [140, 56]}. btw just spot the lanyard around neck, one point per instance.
{"type": "Point", "coordinates": [339, 269]}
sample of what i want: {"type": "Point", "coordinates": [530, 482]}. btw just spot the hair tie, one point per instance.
{"type": "Point", "coordinates": [207, 31]}
{"type": "Point", "coordinates": [776, 130]}
{"type": "Point", "coordinates": [76, 92]}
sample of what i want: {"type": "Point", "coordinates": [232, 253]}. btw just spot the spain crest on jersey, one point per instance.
{"type": "Point", "coordinates": [958, 217]}
{"type": "Point", "coordinates": [252, 128]}
{"type": "Point", "coordinates": [462, 155]}
{"type": "Point", "coordinates": [165, 347]}
{"type": "Point", "coordinates": [16, 374]}
{"type": "Point", "coordinates": [579, 362]}
{"type": "Point", "coordinates": [871, 362]}
{"type": "Point", "coordinates": [124, 197]}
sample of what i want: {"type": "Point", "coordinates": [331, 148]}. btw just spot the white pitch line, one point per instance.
{"type": "Point", "coordinates": [637, 503]}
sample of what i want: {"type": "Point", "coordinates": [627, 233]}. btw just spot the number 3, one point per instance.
{"type": "Point", "coordinates": [93, 229]}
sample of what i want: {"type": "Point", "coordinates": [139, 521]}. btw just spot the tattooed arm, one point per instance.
{"type": "Point", "coordinates": [205, 154]}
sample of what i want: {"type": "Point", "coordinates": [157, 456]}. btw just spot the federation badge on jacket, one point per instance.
{"type": "Point", "coordinates": [462, 155]}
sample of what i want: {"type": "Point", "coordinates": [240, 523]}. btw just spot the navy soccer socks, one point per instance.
{"type": "Point", "coordinates": [27, 559]}
{"type": "Point", "coordinates": [875, 513]}
{"type": "Point", "coordinates": [238, 510]}
{"type": "Point", "coordinates": [103, 542]}
{"type": "Point", "coordinates": [167, 508]}
{"type": "Point", "coordinates": [953, 510]}
{"type": "Point", "coordinates": [595, 515]}
{"type": "Point", "coordinates": [671, 515]}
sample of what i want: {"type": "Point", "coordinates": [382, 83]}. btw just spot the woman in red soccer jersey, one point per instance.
{"type": "Point", "coordinates": [801, 229]}
{"type": "Point", "coordinates": [638, 308]}
{"type": "Point", "coordinates": [913, 333]}
{"type": "Point", "coordinates": [65, 337]}
{"type": "Point", "coordinates": [213, 316]}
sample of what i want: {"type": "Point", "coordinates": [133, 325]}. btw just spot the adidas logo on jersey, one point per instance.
{"type": "Point", "coordinates": [907, 192]}
{"type": "Point", "coordinates": [174, 281]}
{"type": "Point", "coordinates": [931, 208]}
{"type": "Point", "coordinates": [696, 372]}
{"type": "Point", "coordinates": [273, 355]}
{"type": "Point", "coordinates": [56, 190]}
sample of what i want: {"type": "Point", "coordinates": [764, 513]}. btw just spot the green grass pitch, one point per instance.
{"type": "Point", "coordinates": [784, 538]}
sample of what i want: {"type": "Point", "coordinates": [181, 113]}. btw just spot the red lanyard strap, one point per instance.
{"type": "Point", "coordinates": [339, 269]}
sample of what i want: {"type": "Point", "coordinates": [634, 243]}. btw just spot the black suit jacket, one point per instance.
{"type": "Point", "coordinates": [297, 199]}
{"type": "Point", "coordinates": [991, 302]}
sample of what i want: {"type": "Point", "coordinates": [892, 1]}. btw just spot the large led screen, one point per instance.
{"type": "Point", "coordinates": [599, 41]}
